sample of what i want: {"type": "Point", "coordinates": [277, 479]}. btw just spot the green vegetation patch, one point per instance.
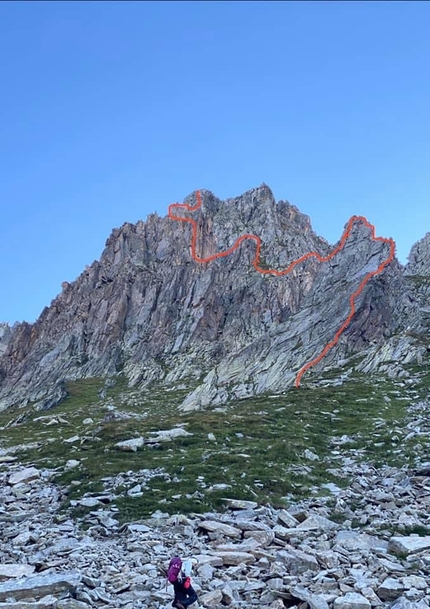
{"type": "Point", "coordinates": [271, 449]}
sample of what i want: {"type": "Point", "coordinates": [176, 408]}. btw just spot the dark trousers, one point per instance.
{"type": "Point", "coordinates": [186, 596]}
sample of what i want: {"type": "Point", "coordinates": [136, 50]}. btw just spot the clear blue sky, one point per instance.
{"type": "Point", "coordinates": [112, 110]}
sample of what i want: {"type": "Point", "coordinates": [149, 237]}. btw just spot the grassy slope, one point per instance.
{"type": "Point", "coordinates": [257, 451]}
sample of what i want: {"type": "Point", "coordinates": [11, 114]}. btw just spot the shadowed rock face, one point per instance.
{"type": "Point", "coordinates": [150, 310]}
{"type": "Point", "coordinates": [419, 258]}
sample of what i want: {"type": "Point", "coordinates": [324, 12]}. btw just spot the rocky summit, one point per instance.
{"type": "Point", "coordinates": [147, 310]}
{"type": "Point", "coordinates": [150, 411]}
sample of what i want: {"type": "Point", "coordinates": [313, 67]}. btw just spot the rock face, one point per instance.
{"type": "Point", "coordinates": [419, 257]}
{"type": "Point", "coordinates": [148, 309]}
{"type": "Point", "coordinates": [5, 334]}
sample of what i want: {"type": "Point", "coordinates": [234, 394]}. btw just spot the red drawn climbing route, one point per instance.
{"type": "Point", "coordinates": [256, 264]}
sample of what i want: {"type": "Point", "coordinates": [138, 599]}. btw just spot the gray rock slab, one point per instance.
{"type": "Point", "coordinates": [15, 570]}
{"type": "Point", "coordinates": [71, 603]}
{"type": "Point", "coordinates": [130, 445]}
{"type": "Point", "coordinates": [390, 589]}
{"type": "Point", "coordinates": [287, 519]}
{"type": "Point", "coordinates": [361, 541]}
{"type": "Point", "coordinates": [351, 600]}
{"type": "Point", "coordinates": [168, 435]}
{"type": "Point", "coordinates": [296, 561]}
{"type": "Point", "coordinates": [225, 529]}
{"type": "Point", "coordinates": [39, 586]}
{"type": "Point", "coordinates": [211, 599]}
{"type": "Point", "coordinates": [236, 558]}
{"type": "Point", "coordinates": [409, 545]}
{"type": "Point", "coordinates": [47, 602]}
{"type": "Point", "coordinates": [24, 475]}
{"type": "Point", "coordinates": [404, 603]}
{"type": "Point", "coordinates": [414, 581]}
{"type": "Point", "coordinates": [316, 522]}
{"type": "Point", "coordinates": [240, 504]}
{"type": "Point", "coordinates": [314, 601]}
{"type": "Point", "coordinates": [208, 559]}
{"type": "Point", "coordinates": [264, 538]}
{"type": "Point", "coordinates": [251, 525]}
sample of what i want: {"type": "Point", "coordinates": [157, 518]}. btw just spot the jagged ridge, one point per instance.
{"type": "Point", "coordinates": [148, 310]}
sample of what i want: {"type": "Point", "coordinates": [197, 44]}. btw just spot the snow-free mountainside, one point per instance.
{"type": "Point", "coordinates": [151, 410]}
{"type": "Point", "coordinates": [148, 311]}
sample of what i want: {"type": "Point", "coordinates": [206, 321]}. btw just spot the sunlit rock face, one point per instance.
{"type": "Point", "coordinates": [150, 311]}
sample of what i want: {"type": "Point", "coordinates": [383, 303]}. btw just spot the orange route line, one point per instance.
{"type": "Point", "coordinates": [290, 267]}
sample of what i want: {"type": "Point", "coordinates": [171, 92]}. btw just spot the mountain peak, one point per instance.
{"type": "Point", "coordinates": [419, 257]}
{"type": "Point", "coordinates": [247, 295]}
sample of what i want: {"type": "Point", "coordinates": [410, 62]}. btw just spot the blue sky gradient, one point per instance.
{"type": "Point", "coordinates": [113, 110]}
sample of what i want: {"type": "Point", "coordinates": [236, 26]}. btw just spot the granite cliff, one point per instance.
{"type": "Point", "coordinates": [147, 310]}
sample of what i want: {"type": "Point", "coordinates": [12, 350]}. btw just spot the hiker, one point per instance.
{"type": "Point", "coordinates": [178, 574]}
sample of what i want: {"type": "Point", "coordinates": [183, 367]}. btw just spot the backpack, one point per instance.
{"type": "Point", "coordinates": [174, 569]}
